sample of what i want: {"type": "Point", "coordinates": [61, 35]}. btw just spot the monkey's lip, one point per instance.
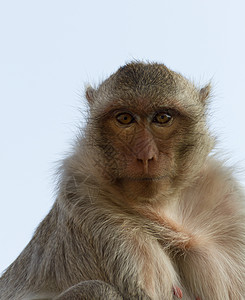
{"type": "Point", "coordinates": [149, 178]}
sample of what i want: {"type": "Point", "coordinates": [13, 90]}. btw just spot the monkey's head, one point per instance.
{"type": "Point", "coordinates": [147, 130]}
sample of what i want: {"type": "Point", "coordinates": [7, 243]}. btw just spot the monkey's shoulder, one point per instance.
{"type": "Point", "coordinates": [214, 198]}
{"type": "Point", "coordinates": [215, 183]}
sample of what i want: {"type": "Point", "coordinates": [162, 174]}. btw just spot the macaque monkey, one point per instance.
{"type": "Point", "coordinates": [143, 210]}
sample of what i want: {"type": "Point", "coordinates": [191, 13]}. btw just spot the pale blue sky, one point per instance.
{"type": "Point", "coordinates": [50, 48]}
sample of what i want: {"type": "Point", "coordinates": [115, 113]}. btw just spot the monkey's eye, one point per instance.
{"type": "Point", "coordinates": [125, 118]}
{"type": "Point", "coordinates": [162, 118]}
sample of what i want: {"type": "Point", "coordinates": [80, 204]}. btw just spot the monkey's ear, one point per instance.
{"type": "Point", "coordinates": [204, 93]}
{"type": "Point", "coordinates": [90, 94]}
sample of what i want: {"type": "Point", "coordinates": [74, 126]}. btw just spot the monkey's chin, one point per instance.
{"type": "Point", "coordinates": [142, 188]}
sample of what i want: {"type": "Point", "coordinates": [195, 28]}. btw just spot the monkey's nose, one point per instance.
{"type": "Point", "coordinates": [147, 154]}
{"type": "Point", "coordinates": [145, 163]}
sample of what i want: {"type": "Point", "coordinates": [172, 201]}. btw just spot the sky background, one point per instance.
{"type": "Point", "coordinates": [49, 49]}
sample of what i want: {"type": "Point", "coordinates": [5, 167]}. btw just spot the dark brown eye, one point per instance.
{"type": "Point", "coordinates": [125, 118]}
{"type": "Point", "coordinates": [162, 118]}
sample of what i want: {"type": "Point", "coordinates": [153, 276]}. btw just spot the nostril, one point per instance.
{"type": "Point", "coordinates": [145, 160]}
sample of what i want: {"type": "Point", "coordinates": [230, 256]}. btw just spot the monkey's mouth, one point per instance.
{"type": "Point", "coordinates": [149, 178]}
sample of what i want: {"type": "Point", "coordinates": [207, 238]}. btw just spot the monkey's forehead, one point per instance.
{"type": "Point", "coordinates": [147, 86]}
{"type": "Point", "coordinates": [148, 81]}
{"type": "Point", "coordinates": [148, 98]}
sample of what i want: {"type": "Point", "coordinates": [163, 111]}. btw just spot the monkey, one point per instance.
{"type": "Point", "coordinates": [144, 209]}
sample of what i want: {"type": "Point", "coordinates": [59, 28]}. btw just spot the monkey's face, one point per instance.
{"type": "Point", "coordinates": [143, 147]}
{"type": "Point", "coordinates": [149, 130]}
{"type": "Point", "coordinates": [142, 143]}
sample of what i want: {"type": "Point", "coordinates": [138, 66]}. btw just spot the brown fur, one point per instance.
{"type": "Point", "coordinates": [143, 211]}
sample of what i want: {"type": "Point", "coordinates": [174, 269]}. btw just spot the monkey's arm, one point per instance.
{"type": "Point", "coordinates": [93, 252]}
{"type": "Point", "coordinates": [213, 209]}
{"type": "Point", "coordinates": [126, 253]}
{"type": "Point", "coordinates": [207, 236]}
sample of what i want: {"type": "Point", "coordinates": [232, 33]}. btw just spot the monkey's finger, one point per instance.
{"type": "Point", "coordinates": [177, 292]}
